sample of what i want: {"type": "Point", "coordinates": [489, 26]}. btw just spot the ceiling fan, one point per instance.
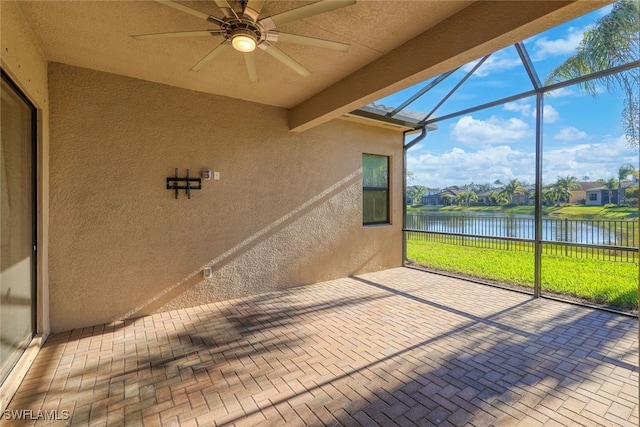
{"type": "Point", "coordinates": [245, 30]}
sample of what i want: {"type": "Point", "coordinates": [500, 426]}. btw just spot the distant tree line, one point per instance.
{"type": "Point", "coordinates": [556, 193]}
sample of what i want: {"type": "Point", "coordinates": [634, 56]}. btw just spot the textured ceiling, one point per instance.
{"type": "Point", "coordinates": [97, 34]}
{"type": "Point", "coordinates": [392, 38]}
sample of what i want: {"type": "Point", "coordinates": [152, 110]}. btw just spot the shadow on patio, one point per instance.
{"type": "Point", "coordinates": [397, 347]}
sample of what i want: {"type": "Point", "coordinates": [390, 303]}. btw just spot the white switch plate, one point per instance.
{"type": "Point", "coordinates": [216, 176]}
{"type": "Point", "coordinates": [207, 272]}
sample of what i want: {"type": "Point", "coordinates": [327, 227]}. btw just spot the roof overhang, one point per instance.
{"type": "Point", "coordinates": [393, 45]}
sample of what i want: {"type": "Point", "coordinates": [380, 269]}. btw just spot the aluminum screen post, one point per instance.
{"type": "Point", "coordinates": [405, 147]}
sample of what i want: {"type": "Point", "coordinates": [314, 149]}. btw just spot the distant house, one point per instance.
{"type": "Point", "coordinates": [430, 192]}
{"type": "Point", "coordinates": [579, 195]}
{"type": "Point", "coordinates": [432, 199]}
{"type": "Point", "coordinates": [527, 198]}
{"type": "Point", "coordinates": [589, 193]}
{"type": "Point", "coordinates": [440, 198]}
{"type": "Point", "coordinates": [599, 196]}
{"type": "Point", "coordinates": [484, 198]}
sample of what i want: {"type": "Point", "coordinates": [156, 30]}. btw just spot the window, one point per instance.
{"type": "Point", "coordinates": [593, 197]}
{"type": "Point", "coordinates": [375, 189]}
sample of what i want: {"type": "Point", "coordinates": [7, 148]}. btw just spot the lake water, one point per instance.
{"type": "Point", "coordinates": [593, 232]}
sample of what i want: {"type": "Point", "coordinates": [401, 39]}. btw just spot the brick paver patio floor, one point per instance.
{"type": "Point", "coordinates": [396, 347]}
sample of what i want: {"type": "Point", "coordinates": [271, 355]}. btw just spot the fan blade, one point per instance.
{"type": "Point", "coordinates": [226, 9]}
{"type": "Point", "coordinates": [200, 33]}
{"type": "Point", "coordinates": [311, 41]}
{"type": "Point", "coordinates": [252, 10]}
{"type": "Point", "coordinates": [250, 61]}
{"type": "Point", "coordinates": [284, 58]}
{"type": "Point", "coordinates": [304, 12]}
{"type": "Point", "coordinates": [215, 52]}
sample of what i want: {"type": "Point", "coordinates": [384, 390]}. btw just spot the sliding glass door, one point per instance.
{"type": "Point", "coordinates": [17, 230]}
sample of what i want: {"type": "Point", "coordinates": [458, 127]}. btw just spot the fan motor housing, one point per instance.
{"type": "Point", "coordinates": [235, 27]}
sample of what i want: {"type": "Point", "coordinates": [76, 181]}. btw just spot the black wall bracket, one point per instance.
{"type": "Point", "coordinates": [187, 184]}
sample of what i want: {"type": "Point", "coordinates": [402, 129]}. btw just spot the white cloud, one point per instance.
{"type": "Point", "coordinates": [544, 47]}
{"type": "Point", "coordinates": [558, 93]}
{"type": "Point", "coordinates": [460, 166]}
{"type": "Point", "coordinates": [569, 133]}
{"type": "Point", "coordinates": [597, 161]}
{"type": "Point", "coordinates": [497, 62]}
{"type": "Point", "coordinates": [523, 108]}
{"type": "Point", "coordinates": [550, 114]}
{"type": "Point", "coordinates": [527, 110]}
{"type": "Point", "coordinates": [495, 130]}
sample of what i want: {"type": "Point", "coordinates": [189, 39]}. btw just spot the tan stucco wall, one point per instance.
{"type": "Point", "coordinates": [285, 212]}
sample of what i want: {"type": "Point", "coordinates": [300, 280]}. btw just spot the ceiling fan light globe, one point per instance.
{"type": "Point", "coordinates": [243, 43]}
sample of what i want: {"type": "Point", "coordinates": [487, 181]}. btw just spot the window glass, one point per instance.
{"type": "Point", "coordinates": [17, 118]}
{"type": "Point", "coordinates": [375, 171]}
{"type": "Point", "coordinates": [375, 189]}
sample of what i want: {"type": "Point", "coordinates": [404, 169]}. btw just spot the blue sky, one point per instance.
{"type": "Point", "coordinates": [582, 135]}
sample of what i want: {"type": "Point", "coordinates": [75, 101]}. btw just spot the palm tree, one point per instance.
{"type": "Point", "coordinates": [563, 187]}
{"type": "Point", "coordinates": [497, 198]}
{"type": "Point", "coordinates": [466, 198]}
{"type": "Point", "coordinates": [623, 173]}
{"type": "Point", "coordinates": [610, 184]}
{"type": "Point", "coordinates": [417, 193]}
{"type": "Point", "coordinates": [492, 197]}
{"type": "Point", "coordinates": [472, 197]}
{"type": "Point", "coordinates": [511, 189]}
{"type": "Point", "coordinates": [613, 41]}
{"type": "Point", "coordinates": [558, 194]}
{"type": "Point", "coordinates": [632, 192]}
{"type": "Point", "coordinates": [502, 199]}
{"type": "Point", "coordinates": [550, 195]}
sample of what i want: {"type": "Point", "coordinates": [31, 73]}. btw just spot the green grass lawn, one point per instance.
{"type": "Point", "coordinates": [612, 284]}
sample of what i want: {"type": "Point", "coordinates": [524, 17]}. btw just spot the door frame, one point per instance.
{"type": "Point", "coordinates": [34, 206]}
